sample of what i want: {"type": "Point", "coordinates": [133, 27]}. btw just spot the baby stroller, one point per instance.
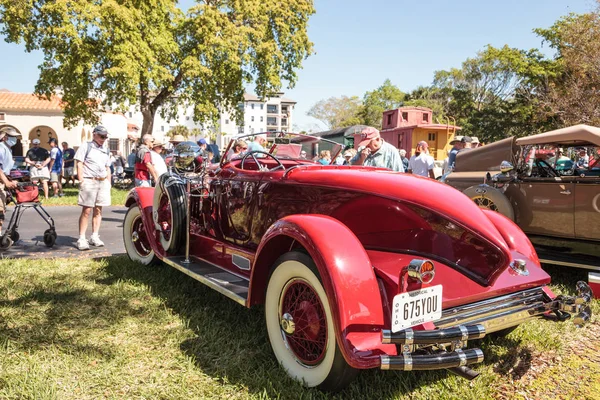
{"type": "Point", "coordinates": [26, 196]}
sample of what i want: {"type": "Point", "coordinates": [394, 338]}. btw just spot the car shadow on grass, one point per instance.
{"type": "Point", "coordinates": [231, 345]}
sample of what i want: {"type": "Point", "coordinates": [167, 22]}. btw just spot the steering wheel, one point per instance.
{"type": "Point", "coordinates": [260, 165]}
{"type": "Point", "coordinates": [546, 170]}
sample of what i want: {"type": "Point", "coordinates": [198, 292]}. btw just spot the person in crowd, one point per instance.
{"type": "Point", "coordinates": [475, 142]}
{"type": "Point", "coordinates": [68, 164]}
{"type": "Point", "coordinates": [56, 167]}
{"type": "Point", "coordinates": [402, 153]}
{"type": "Point", "coordinates": [8, 138]}
{"type": "Point", "coordinates": [583, 162]}
{"type": "Point", "coordinates": [421, 163]}
{"type": "Point", "coordinates": [237, 149]}
{"type": "Point", "coordinates": [214, 149]}
{"type": "Point", "coordinates": [119, 163]}
{"type": "Point", "coordinates": [457, 145]}
{"type": "Point", "coordinates": [131, 158]}
{"type": "Point", "coordinates": [203, 144]}
{"type": "Point", "coordinates": [38, 158]}
{"type": "Point", "coordinates": [324, 157]}
{"type": "Point", "coordinates": [144, 170]}
{"type": "Point", "coordinates": [373, 151]}
{"type": "Point", "coordinates": [303, 154]}
{"type": "Point", "coordinates": [93, 172]}
{"type": "Point", "coordinates": [467, 142]}
{"type": "Point", "coordinates": [348, 155]}
{"type": "Point", "coordinates": [158, 162]}
{"type": "Point", "coordinates": [259, 142]}
{"type": "Point", "coordinates": [339, 160]}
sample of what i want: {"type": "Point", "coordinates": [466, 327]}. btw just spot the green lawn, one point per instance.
{"type": "Point", "coordinates": [86, 329]}
{"type": "Point", "coordinates": [71, 194]}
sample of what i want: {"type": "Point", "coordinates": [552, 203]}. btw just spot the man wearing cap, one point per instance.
{"type": "Point", "coordinates": [421, 163]}
{"type": "Point", "coordinates": [93, 172]}
{"type": "Point", "coordinates": [474, 142]}
{"type": "Point", "coordinates": [143, 163]}
{"type": "Point", "coordinates": [56, 164]}
{"type": "Point", "coordinates": [38, 158]}
{"type": "Point", "coordinates": [68, 164]}
{"type": "Point", "coordinates": [8, 138]}
{"type": "Point", "coordinates": [373, 151]}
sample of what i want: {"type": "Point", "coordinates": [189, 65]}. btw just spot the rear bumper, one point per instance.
{"type": "Point", "coordinates": [444, 347]}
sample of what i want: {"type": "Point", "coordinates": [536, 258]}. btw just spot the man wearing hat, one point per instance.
{"type": "Point", "coordinates": [457, 145]}
{"type": "Point", "coordinates": [56, 164]}
{"type": "Point", "coordinates": [93, 172]}
{"type": "Point", "coordinates": [373, 151]}
{"type": "Point", "coordinates": [158, 162]}
{"type": "Point", "coordinates": [8, 138]}
{"type": "Point", "coordinates": [38, 158]}
{"type": "Point", "coordinates": [421, 163]}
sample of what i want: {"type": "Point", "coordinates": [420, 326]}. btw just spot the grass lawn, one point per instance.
{"type": "Point", "coordinates": [71, 194]}
{"type": "Point", "coordinates": [85, 329]}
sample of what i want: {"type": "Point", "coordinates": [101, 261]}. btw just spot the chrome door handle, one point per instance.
{"type": "Point", "coordinates": [565, 192]}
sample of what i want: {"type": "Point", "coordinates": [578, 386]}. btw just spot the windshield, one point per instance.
{"type": "Point", "coordinates": [284, 145]}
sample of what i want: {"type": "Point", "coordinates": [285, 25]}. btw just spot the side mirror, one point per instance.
{"type": "Point", "coordinates": [506, 167]}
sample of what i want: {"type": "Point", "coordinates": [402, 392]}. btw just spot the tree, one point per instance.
{"type": "Point", "coordinates": [109, 53]}
{"type": "Point", "coordinates": [571, 94]}
{"type": "Point", "coordinates": [178, 130]}
{"type": "Point", "coordinates": [385, 97]}
{"type": "Point", "coordinates": [336, 112]}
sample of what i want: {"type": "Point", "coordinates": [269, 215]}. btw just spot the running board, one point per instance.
{"type": "Point", "coordinates": [226, 283]}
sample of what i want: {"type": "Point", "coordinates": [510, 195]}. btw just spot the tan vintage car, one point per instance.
{"type": "Point", "coordinates": [549, 184]}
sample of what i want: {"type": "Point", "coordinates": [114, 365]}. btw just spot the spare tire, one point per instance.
{"type": "Point", "coordinates": [486, 196]}
{"type": "Point", "coordinates": [170, 210]}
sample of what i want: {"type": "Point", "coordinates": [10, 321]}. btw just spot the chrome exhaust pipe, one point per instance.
{"type": "Point", "coordinates": [409, 336]}
{"type": "Point", "coordinates": [427, 362]}
{"type": "Point", "coordinates": [584, 316]}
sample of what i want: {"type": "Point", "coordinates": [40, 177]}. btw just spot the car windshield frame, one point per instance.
{"type": "Point", "coordinates": [285, 135]}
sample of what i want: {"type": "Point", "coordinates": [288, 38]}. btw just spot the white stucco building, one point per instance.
{"type": "Point", "coordinates": [43, 119]}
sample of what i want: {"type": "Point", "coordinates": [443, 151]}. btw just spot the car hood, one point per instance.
{"type": "Point", "coordinates": [422, 192]}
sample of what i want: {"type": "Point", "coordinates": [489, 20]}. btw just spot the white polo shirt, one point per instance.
{"type": "Point", "coordinates": [95, 159]}
{"type": "Point", "coordinates": [421, 165]}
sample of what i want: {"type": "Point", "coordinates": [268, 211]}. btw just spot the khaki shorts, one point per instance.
{"type": "Point", "coordinates": [94, 193]}
{"type": "Point", "coordinates": [68, 172]}
{"type": "Point", "coordinates": [54, 176]}
{"type": "Point", "coordinates": [2, 198]}
{"type": "Point", "coordinates": [39, 174]}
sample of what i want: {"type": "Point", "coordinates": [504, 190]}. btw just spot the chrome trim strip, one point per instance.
{"type": "Point", "coordinates": [464, 332]}
{"type": "Point", "coordinates": [462, 356]}
{"type": "Point", "coordinates": [408, 363]}
{"type": "Point", "coordinates": [410, 337]}
{"type": "Point", "coordinates": [569, 264]}
{"type": "Point", "coordinates": [385, 362]}
{"type": "Point", "coordinates": [211, 284]}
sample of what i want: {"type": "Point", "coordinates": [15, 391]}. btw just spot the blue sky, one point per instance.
{"type": "Point", "coordinates": [359, 44]}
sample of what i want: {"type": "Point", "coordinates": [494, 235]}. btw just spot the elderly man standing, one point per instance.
{"type": "Point", "coordinates": [373, 151]}
{"type": "Point", "coordinates": [38, 158]}
{"type": "Point", "coordinates": [258, 144]}
{"type": "Point", "coordinates": [8, 138]}
{"type": "Point", "coordinates": [93, 173]}
{"type": "Point", "coordinates": [144, 169]}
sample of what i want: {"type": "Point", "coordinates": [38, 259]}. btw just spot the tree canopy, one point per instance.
{"type": "Point", "coordinates": [385, 97]}
{"type": "Point", "coordinates": [110, 53]}
{"type": "Point", "coordinates": [336, 112]}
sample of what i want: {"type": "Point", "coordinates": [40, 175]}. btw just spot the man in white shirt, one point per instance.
{"type": "Point", "coordinates": [157, 159]}
{"type": "Point", "coordinates": [258, 144]}
{"type": "Point", "coordinates": [421, 163]}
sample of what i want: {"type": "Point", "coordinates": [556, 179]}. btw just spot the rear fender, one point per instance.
{"type": "Point", "coordinates": [144, 198]}
{"type": "Point", "coordinates": [347, 275]}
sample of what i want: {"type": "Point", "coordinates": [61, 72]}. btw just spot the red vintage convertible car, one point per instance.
{"type": "Point", "coordinates": [356, 267]}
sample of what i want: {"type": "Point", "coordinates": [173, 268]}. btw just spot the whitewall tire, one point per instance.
{"type": "Point", "coordinates": [300, 325]}
{"type": "Point", "coordinates": [137, 243]}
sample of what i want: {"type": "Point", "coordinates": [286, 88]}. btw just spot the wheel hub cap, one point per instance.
{"type": "Point", "coordinates": [287, 324]}
{"type": "Point", "coordinates": [135, 237]}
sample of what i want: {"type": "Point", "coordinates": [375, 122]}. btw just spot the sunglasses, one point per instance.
{"type": "Point", "coordinates": [102, 136]}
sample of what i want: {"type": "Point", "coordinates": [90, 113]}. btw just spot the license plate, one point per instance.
{"type": "Point", "coordinates": [416, 307]}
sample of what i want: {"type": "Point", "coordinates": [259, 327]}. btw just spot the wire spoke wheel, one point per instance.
{"type": "Point", "coordinates": [485, 202]}
{"type": "Point", "coordinates": [309, 336]}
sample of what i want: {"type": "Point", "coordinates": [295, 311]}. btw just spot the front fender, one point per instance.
{"type": "Point", "coordinates": [347, 276]}
{"type": "Point", "coordinates": [144, 198]}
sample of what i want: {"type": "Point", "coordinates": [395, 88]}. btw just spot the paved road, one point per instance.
{"type": "Point", "coordinates": [32, 227]}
